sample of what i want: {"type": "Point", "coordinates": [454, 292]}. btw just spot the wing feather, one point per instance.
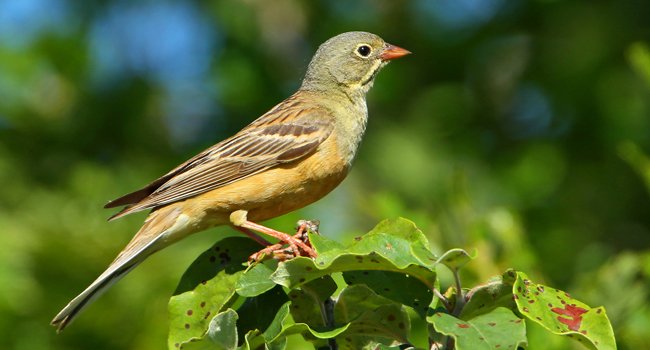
{"type": "Point", "coordinates": [264, 144]}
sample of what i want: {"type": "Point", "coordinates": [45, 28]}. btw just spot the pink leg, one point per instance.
{"type": "Point", "coordinates": [252, 235]}
{"type": "Point", "coordinates": [283, 237]}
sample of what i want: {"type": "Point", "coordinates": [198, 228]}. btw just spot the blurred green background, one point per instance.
{"type": "Point", "coordinates": [519, 128]}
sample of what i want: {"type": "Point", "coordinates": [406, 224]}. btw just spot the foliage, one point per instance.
{"type": "Point", "coordinates": [518, 129]}
{"type": "Point", "coordinates": [389, 276]}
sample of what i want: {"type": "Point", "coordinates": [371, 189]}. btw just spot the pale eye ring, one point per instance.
{"type": "Point", "coordinates": [364, 50]}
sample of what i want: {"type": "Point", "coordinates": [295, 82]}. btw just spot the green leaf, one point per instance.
{"type": "Point", "coordinates": [258, 312]}
{"type": "Point", "coordinates": [252, 340]}
{"type": "Point", "coordinates": [556, 311]}
{"type": "Point", "coordinates": [498, 329]}
{"type": "Point", "coordinates": [371, 317]}
{"type": "Point", "coordinates": [456, 258]}
{"type": "Point", "coordinates": [225, 255]}
{"type": "Point", "coordinates": [283, 326]}
{"type": "Point", "coordinates": [206, 288]}
{"type": "Point", "coordinates": [307, 303]}
{"type": "Point", "coordinates": [487, 297]}
{"type": "Point", "coordinates": [257, 279]}
{"type": "Point", "coordinates": [221, 334]}
{"type": "Point", "coordinates": [398, 287]}
{"type": "Point", "coordinates": [394, 245]}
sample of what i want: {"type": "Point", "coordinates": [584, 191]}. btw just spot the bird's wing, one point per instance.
{"type": "Point", "coordinates": [279, 137]}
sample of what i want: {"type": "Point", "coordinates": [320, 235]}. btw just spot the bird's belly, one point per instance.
{"type": "Point", "coordinates": [276, 191]}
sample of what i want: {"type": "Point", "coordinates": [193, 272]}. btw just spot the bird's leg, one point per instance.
{"type": "Point", "coordinates": [239, 219]}
{"type": "Point", "coordinates": [253, 235]}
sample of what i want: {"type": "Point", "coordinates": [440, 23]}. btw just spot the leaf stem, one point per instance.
{"type": "Point", "coordinates": [460, 298]}
{"type": "Point", "coordinates": [327, 310]}
{"type": "Point", "coordinates": [442, 298]}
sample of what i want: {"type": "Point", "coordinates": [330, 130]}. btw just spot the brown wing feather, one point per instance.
{"type": "Point", "coordinates": [262, 145]}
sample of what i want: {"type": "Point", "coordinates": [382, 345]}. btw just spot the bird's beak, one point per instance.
{"type": "Point", "coordinates": [392, 52]}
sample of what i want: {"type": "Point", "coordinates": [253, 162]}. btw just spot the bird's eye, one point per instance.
{"type": "Point", "coordinates": [364, 50]}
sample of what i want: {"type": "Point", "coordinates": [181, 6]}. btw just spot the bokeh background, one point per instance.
{"type": "Point", "coordinates": [518, 128]}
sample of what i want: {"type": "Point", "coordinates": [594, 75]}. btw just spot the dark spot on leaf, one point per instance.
{"type": "Point", "coordinates": [463, 325]}
{"type": "Point", "coordinates": [216, 249]}
{"type": "Point", "coordinates": [497, 346]}
{"type": "Point", "coordinates": [400, 325]}
{"type": "Point", "coordinates": [296, 306]}
{"type": "Point", "coordinates": [525, 309]}
{"type": "Point", "coordinates": [491, 324]}
{"type": "Point", "coordinates": [213, 258]}
{"type": "Point", "coordinates": [518, 320]}
{"type": "Point", "coordinates": [207, 314]}
{"type": "Point", "coordinates": [358, 238]}
{"type": "Point", "coordinates": [519, 289]}
{"type": "Point", "coordinates": [538, 318]}
{"type": "Point", "coordinates": [526, 282]}
{"type": "Point", "coordinates": [187, 326]}
{"type": "Point", "coordinates": [204, 282]}
{"type": "Point", "coordinates": [531, 301]}
{"type": "Point", "coordinates": [511, 273]}
{"type": "Point", "coordinates": [365, 273]}
{"type": "Point", "coordinates": [391, 317]}
{"type": "Point", "coordinates": [515, 297]}
{"type": "Point", "coordinates": [583, 332]}
{"type": "Point", "coordinates": [599, 311]}
{"type": "Point", "coordinates": [374, 260]}
{"type": "Point", "coordinates": [540, 289]}
{"type": "Point", "coordinates": [563, 302]}
{"type": "Point", "coordinates": [308, 268]}
{"type": "Point", "coordinates": [389, 246]}
{"type": "Point", "coordinates": [189, 312]}
{"type": "Point", "coordinates": [321, 263]}
{"type": "Point", "coordinates": [348, 339]}
{"type": "Point", "coordinates": [301, 280]}
{"type": "Point", "coordinates": [386, 289]}
{"type": "Point", "coordinates": [177, 345]}
{"type": "Point", "coordinates": [202, 304]}
{"type": "Point", "coordinates": [550, 305]}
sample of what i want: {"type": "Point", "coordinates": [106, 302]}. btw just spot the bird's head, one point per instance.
{"type": "Point", "coordinates": [349, 61]}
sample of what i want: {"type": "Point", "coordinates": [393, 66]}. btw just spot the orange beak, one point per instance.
{"type": "Point", "coordinates": [392, 52]}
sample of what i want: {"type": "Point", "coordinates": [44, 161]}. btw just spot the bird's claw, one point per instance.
{"type": "Point", "coordinates": [281, 252]}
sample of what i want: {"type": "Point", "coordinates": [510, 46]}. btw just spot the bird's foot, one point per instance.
{"type": "Point", "coordinates": [295, 245]}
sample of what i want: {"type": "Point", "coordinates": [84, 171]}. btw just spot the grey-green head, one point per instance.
{"type": "Point", "coordinates": [349, 61]}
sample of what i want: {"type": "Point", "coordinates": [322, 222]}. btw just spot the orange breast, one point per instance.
{"type": "Point", "coordinates": [276, 191]}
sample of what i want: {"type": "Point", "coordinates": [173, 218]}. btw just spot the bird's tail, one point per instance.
{"type": "Point", "coordinates": [151, 238]}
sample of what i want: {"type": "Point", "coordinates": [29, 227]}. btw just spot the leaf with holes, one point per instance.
{"type": "Point", "coordinates": [559, 313]}
{"type": "Point", "coordinates": [206, 288]}
{"type": "Point", "coordinates": [498, 329]}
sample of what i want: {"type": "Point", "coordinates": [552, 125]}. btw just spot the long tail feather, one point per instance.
{"type": "Point", "coordinates": [161, 223]}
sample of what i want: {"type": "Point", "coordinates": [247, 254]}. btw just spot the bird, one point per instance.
{"type": "Point", "coordinates": [288, 158]}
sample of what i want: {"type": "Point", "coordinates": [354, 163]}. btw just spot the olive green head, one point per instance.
{"type": "Point", "coordinates": [349, 61]}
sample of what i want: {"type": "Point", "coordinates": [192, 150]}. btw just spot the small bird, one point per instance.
{"type": "Point", "coordinates": [288, 158]}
